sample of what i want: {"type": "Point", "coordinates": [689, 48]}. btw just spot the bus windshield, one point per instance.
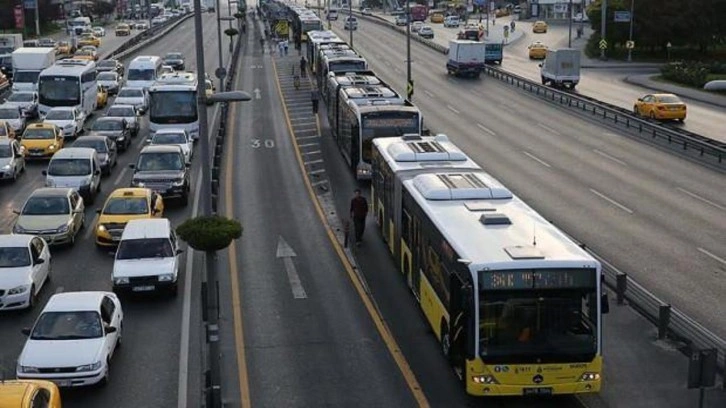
{"type": "Point", "coordinates": [59, 91]}
{"type": "Point", "coordinates": [527, 326]}
{"type": "Point", "coordinates": [351, 65]}
{"type": "Point", "coordinates": [140, 75]}
{"type": "Point", "coordinates": [173, 107]}
{"type": "Point", "coordinates": [386, 124]}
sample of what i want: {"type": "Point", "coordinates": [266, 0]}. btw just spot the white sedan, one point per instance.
{"type": "Point", "coordinates": [137, 97]}
{"type": "Point", "coordinates": [24, 269]}
{"type": "Point", "coordinates": [175, 137]}
{"type": "Point", "coordinates": [99, 31]}
{"type": "Point", "coordinates": [73, 339]}
{"type": "Point", "coordinates": [69, 119]}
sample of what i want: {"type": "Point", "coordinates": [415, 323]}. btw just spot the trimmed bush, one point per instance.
{"type": "Point", "coordinates": [209, 233]}
{"type": "Point", "coordinates": [231, 32]}
{"type": "Point", "coordinates": [691, 73]}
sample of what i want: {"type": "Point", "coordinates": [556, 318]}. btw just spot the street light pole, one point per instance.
{"type": "Point", "coordinates": [350, 23]}
{"type": "Point", "coordinates": [569, 33]}
{"type": "Point", "coordinates": [630, 37]}
{"type": "Point", "coordinates": [219, 46]}
{"type": "Point", "coordinates": [409, 80]}
{"type": "Point", "coordinates": [603, 22]}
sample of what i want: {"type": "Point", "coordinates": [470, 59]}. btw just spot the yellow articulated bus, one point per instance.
{"type": "Point", "coordinates": [515, 304]}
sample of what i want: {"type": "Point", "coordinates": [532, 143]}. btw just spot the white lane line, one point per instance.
{"type": "Point", "coordinates": [317, 171]}
{"type": "Point", "coordinates": [723, 261]}
{"type": "Point", "coordinates": [307, 137]}
{"type": "Point", "coordinates": [120, 176]}
{"type": "Point", "coordinates": [311, 152]}
{"type": "Point", "coordinates": [611, 201]}
{"type": "Point", "coordinates": [698, 197]}
{"type": "Point", "coordinates": [549, 129]}
{"type": "Point", "coordinates": [313, 162]}
{"type": "Point", "coordinates": [609, 157]}
{"type": "Point", "coordinates": [317, 183]}
{"type": "Point", "coordinates": [429, 94]}
{"type": "Point", "coordinates": [308, 144]}
{"type": "Point", "coordinates": [537, 159]}
{"type": "Point", "coordinates": [486, 129]}
{"type": "Point", "coordinates": [451, 108]}
{"type": "Point", "coordinates": [90, 228]}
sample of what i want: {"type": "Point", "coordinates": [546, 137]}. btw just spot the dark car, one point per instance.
{"type": "Point", "coordinates": [46, 42]}
{"type": "Point", "coordinates": [6, 66]}
{"type": "Point", "coordinates": [174, 60]}
{"type": "Point", "coordinates": [117, 129]}
{"type": "Point", "coordinates": [110, 65]}
{"type": "Point", "coordinates": [104, 146]}
{"type": "Point", "coordinates": [163, 169]}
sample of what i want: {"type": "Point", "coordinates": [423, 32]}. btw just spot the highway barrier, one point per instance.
{"type": "Point", "coordinates": [670, 321]}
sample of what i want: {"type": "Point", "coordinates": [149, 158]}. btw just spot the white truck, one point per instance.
{"type": "Point", "coordinates": [27, 64]}
{"type": "Point", "coordinates": [561, 68]}
{"type": "Point", "coordinates": [466, 58]}
{"type": "Point", "coordinates": [8, 44]}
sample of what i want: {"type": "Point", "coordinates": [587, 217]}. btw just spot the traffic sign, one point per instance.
{"type": "Point", "coordinates": [220, 72]}
{"type": "Point", "coordinates": [621, 16]}
{"type": "Point", "coordinates": [281, 27]}
{"type": "Point", "coordinates": [630, 45]}
{"type": "Point", "coordinates": [409, 89]}
{"type": "Point", "coordinates": [603, 44]}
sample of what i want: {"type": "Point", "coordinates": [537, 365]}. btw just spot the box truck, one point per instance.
{"type": "Point", "coordinates": [27, 64]}
{"type": "Point", "coordinates": [466, 58]}
{"type": "Point", "coordinates": [561, 68]}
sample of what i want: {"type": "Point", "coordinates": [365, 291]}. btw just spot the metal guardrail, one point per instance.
{"type": "Point", "coordinates": [701, 147]}
{"type": "Point", "coordinates": [670, 321]}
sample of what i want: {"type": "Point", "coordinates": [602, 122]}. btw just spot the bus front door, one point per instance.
{"type": "Point", "coordinates": [460, 314]}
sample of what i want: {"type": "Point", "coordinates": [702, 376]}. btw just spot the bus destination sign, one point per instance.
{"type": "Point", "coordinates": [538, 279]}
{"type": "Point", "coordinates": [383, 122]}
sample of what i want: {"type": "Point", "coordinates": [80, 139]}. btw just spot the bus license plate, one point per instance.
{"type": "Point", "coordinates": [538, 391]}
{"type": "Point", "coordinates": [143, 288]}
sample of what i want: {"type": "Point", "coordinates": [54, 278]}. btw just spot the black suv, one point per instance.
{"type": "Point", "coordinates": [162, 168]}
{"type": "Point", "coordinates": [174, 60]}
{"type": "Point", "coordinates": [116, 129]}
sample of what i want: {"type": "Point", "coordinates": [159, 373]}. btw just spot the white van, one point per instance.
{"type": "Point", "coordinates": [77, 168]}
{"type": "Point", "coordinates": [143, 71]}
{"type": "Point", "coordinates": [451, 21]}
{"type": "Point", "coordinates": [351, 23]}
{"type": "Point", "coordinates": [147, 258]}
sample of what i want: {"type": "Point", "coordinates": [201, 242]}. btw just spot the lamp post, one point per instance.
{"type": "Point", "coordinates": [603, 24]}
{"type": "Point", "coordinates": [350, 23]}
{"type": "Point", "coordinates": [630, 37]}
{"type": "Point", "coordinates": [214, 393]}
{"type": "Point", "coordinates": [409, 80]}
{"type": "Point", "coordinates": [569, 33]}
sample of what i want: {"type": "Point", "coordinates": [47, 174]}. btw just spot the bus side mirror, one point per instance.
{"type": "Point", "coordinates": [604, 303]}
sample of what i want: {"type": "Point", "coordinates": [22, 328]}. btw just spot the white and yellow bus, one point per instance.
{"type": "Point", "coordinates": [515, 304]}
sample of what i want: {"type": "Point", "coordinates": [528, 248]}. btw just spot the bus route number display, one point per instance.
{"type": "Point", "coordinates": [538, 279]}
{"type": "Point", "coordinates": [389, 122]}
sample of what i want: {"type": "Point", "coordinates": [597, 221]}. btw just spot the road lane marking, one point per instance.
{"type": "Point", "coordinates": [378, 320]}
{"type": "Point", "coordinates": [120, 176]}
{"type": "Point", "coordinates": [244, 386]}
{"type": "Point", "coordinates": [486, 129]}
{"type": "Point", "coordinates": [549, 129]}
{"type": "Point", "coordinates": [307, 163]}
{"type": "Point", "coordinates": [607, 156]}
{"type": "Point", "coordinates": [537, 159]}
{"type": "Point", "coordinates": [311, 152]}
{"type": "Point", "coordinates": [285, 251]}
{"type": "Point", "coordinates": [718, 258]}
{"type": "Point", "coordinates": [698, 197]}
{"type": "Point", "coordinates": [429, 94]}
{"type": "Point", "coordinates": [451, 108]}
{"type": "Point", "coordinates": [308, 144]}
{"type": "Point", "coordinates": [611, 201]}
{"type": "Point", "coordinates": [90, 229]}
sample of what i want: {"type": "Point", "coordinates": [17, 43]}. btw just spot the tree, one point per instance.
{"type": "Point", "coordinates": [209, 233]}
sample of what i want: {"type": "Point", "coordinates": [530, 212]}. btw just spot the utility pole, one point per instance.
{"type": "Point", "coordinates": [569, 31]}
{"type": "Point", "coordinates": [409, 80]}
{"type": "Point", "coordinates": [330, 25]}
{"type": "Point", "coordinates": [603, 22]}
{"type": "Point", "coordinates": [350, 23]}
{"type": "Point", "coordinates": [219, 47]}
{"type": "Point", "coordinates": [37, 21]}
{"type": "Point", "coordinates": [632, 18]}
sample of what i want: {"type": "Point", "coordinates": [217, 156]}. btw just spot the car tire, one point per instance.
{"type": "Point", "coordinates": [31, 298]}
{"type": "Point", "coordinates": [104, 381]}
{"type": "Point", "coordinates": [119, 338]}
{"type": "Point", "coordinates": [635, 110]}
{"type": "Point", "coordinates": [185, 199]}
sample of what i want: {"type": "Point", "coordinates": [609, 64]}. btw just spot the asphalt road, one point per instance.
{"type": "Point", "coordinates": [652, 214]}
{"type": "Point", "coordinates": [145, 372]}
{"type": "Point", "coordinates": [606, 85]}
{"type": "Point", "coordinates": [308, 340]}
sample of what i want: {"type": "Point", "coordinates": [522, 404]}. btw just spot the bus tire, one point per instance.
{"type": "Point", "coordinates": [445, 340]}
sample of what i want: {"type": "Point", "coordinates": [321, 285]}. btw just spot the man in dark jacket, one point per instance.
{"type": "Point", "coordinates": [358, 212]}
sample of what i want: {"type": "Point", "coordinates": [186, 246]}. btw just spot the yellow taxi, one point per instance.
{"type": "Point", "coordinates": [101, 97]}
{"type": "Point", "coordinates": [89, 39]}
{"type": "Point", "coordinates": [85, 54]}
{"type": "Point", "coordinates": [123, 30]}
{"type": "Point", "coordinates": [41, 140]}
{"type": "Point", "coordinates": [6, 130]}
{"type": "Point", "coordinates": [662, 106]}
{"type": "Point", "coordinates": [437, 18]}
{"type": "Point", "coordinates": [29, 394]}
{"type": "Point", "coordinates": [537, 50]}
{"type": "Point", "coordinates": [122, 206]}
{"type": "Point", "coordinates": [64, 48]}
{"type": "Point", "coordinates": [209, 89]}
{"type": "Point", "coordinates": [539, 27]}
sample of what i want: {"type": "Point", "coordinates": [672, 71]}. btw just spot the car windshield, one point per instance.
{"type": "Point", "coordinates": [46, 206]}
{"type": "Point", "coordinates": [37, 134]}
{"type": "Point", "coordinates": [173, 56]}
{"type": "Point", "coordinates": [107, 64]}
{"type": "Point", "coordinates": [107, 125]}
{"type": "Point", "coordinates": [126, 205]}
{"type": "Point", "coordinates": [5, 151]}
{"type": "Point", "coordinates": [169, 138]}
{"type": "Point", "coordinates": [97, 144]}
{"type": "Point", "coordinates": [21, 97]}
{"type": "Point", "coordinates": [120, 112]}
{"type": "Point", "coordinates": [144, 248]}
{"type": "Point", "coordinates": [141, 75]}
{"type": "Point", "coordinates": [69, 167]}
{"type": "Point", "coordinates": [131, 93]}
{"type": "Point", "coordinates": [669, 99]}
{"type": "Point", "coordinates": [106, 76]}
{"type": "Point", "coordinates": [160, 162]}
{"type": "Point", "coordinates": [68, 326]}
{"type": "Point", "coordinates": [14, 257]}
{"type": "Point", "coordinates": [9, 113]}
{"type": "Point", "coordinates": [59, 115]}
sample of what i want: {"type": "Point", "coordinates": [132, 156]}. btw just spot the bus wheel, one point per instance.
{"type": "Point", "coordinates": [445, 340]}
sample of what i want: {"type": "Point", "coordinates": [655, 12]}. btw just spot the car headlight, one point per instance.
{"type": "Point", "coordinates": [63, 228]}
{"type": "Point", "coordinates": [52, 147]}
{"type": "Point", "coordinates": [101, 228]}
{"type": "Point", "coordinates": [137, 183]}
{"type": "Point", "coordinates": [121, 281]}
{"type": "Point", "coordinates": [18, 290]}
{"type": "Point", "coordinates": [6, 167]}
{"type": "Point", "coordinates": [89, 367]}
{"type": "Point", "coordinates": [167, 277]}
{"type": "Point", "coordinates": [85, 181]}
{"type": "Point", "coordinates": [17, 229]}
{"type": "Point", "coordinates": [27, 369]}
{"type": "Point", "coordinates": [177, 182]}
{"type": "Point", "coordinates": [120, 138]}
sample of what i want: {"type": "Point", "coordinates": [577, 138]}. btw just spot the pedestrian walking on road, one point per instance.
{"type": "Point", "coordinates": [262, 44]}
{"type": "Point", "coordinates": [284, 46]}
{"type": "Point", "coordinates": [512, 25]}
{"type": "Point", "coordinates": [358, 212]}
{"type": "Point", "coordinates": [314, 98]}
{"type": "Point", "coordinates": [303, 66]}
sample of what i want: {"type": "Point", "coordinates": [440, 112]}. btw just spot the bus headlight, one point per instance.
{"type": "Point", "coordinates": [484, 379]}
{"type": "Point", "coordinates": [590, 377]}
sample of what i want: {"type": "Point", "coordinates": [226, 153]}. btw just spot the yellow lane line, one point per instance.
{"type": "Point", "coordinates": [380, 324]}
{"type": "Point", "coordinates": [239, 342]}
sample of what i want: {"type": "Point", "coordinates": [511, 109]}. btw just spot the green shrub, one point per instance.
{"type": "Point", "coordinates": [209, 233]}
{"type": "Point", "coordinates": [231, 32]}
{"type": "Point", "coordinates": [691, 73]}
